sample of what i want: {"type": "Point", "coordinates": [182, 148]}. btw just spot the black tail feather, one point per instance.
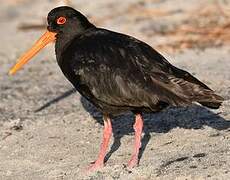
{"type": "Point", "coordinates": [212, 101]}
{"type": "Point", "coordinates": [211, 104]}
{"type": "Point", "coordinates": [198, 91]}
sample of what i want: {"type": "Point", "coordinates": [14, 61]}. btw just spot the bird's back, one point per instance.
{"type": "Point", "coordinates": [116, 70]}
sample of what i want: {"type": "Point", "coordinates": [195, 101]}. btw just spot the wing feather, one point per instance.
{"type": "Point", "coordinates": [123, 71]}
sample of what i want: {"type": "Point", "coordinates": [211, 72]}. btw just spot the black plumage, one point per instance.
{"type": "Point", "coordinates": [117, 73]}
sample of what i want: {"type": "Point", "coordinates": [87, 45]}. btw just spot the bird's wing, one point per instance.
{"type": "Point", "coordinates": [123, 71]}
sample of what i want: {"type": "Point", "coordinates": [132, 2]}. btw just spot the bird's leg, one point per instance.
{"type": "Point", "coordinates": [138, 127]}
{"type": "Point", "coordinates": [104, 145]}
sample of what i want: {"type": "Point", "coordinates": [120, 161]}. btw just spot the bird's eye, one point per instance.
{"type": "Point", "coordinates": [61, 20]}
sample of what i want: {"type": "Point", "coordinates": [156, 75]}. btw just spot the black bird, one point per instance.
{"type": "Point", "coordinates": [117, 73]}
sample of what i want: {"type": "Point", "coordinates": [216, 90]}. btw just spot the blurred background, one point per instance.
{"type": "Point", "coordinates": [47, 130]}
{"type": "Point", "coordinates": [167, 25]}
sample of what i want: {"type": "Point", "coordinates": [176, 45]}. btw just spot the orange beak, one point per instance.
{"type": "Point", "coordinates": [46, 38]}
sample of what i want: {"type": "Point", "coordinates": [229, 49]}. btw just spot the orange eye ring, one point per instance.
{"type": "Point", "coordinates": [61, 20]}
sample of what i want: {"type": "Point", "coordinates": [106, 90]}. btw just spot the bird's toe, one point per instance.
{"type": "Point", "coordinates": [94, 166]}
{"type": "Point", "coordinates": [133, 162]}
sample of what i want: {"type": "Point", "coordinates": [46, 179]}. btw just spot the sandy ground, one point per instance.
{"type": "Point", "coordinates": [48, 131]}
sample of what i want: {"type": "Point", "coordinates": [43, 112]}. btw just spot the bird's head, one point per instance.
{"type": "Point", "coordinates": [62, 20]}
{"type": "Point", "coordinates": [66, 20]}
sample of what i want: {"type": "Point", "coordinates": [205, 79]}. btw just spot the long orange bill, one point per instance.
{"type": "Point", "coordinates": [46, 38]}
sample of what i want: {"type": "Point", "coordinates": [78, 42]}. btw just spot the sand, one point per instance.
{"type": "Point", "coordinates": [48, 131]}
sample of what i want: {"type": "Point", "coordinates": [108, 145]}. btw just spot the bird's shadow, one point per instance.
{"type": "Point", "coordinates": [193, 117]}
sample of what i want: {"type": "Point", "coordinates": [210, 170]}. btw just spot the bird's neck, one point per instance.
{"type": "Point", "coordinates": [64, 39]}
{"type": "Point", "coordinates": [62, 42]}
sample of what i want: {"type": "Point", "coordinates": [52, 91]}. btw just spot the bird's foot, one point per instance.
{"type": "Point", "coordinates": [133, 162]}
{"type": "Point", "coordinates": [95, 166]}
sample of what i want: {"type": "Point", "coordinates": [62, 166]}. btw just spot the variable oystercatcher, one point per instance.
{"type": "Point", "coordinates": [117, 73]}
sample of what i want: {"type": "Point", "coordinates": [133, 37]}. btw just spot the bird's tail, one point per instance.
{"type": "Point", "coordinates": [196, 90]}
{"type": "Point", "coordinates": [210, 100]}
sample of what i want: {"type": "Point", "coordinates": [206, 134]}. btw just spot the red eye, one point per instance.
{"type": "Point", "coordinates": [61, 20]}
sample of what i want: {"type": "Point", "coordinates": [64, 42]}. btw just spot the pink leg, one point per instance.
{"type": "Point", "coordinates": [99, 163]}
{"type": "Point", "coordinates": [138, 127]}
